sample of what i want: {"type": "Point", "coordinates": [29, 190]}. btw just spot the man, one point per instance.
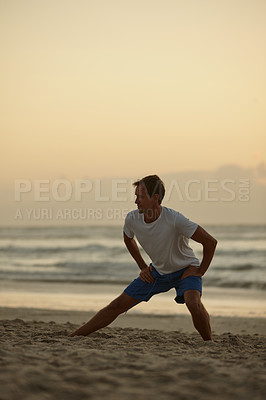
{"type": "Point", "coordinates": [163, 233]}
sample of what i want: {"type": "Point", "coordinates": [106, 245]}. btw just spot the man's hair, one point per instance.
{"type": "Point", "coordinates": [153, 185]}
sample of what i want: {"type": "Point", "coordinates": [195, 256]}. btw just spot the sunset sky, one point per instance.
{"type": "Point", "coordinates": [93, 88]}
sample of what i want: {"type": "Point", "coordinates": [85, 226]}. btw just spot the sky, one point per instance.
{"type": "Point", "coordinates": [98, 88]}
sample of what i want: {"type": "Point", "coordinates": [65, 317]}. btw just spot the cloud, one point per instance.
{"type": "Point", "coordinates": [261, 173]}
{"type": "Point", "coordinates": [228, 195]}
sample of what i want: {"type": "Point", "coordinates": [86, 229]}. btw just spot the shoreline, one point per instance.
{"type": "Point", "coordinates": [83, 297]}
{"type": "Point", "coordinates": [178, 322]}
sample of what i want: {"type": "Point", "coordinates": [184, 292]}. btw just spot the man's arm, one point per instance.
{"type": "Point", "coordinates": [145, 274]}
{"type": "Point", "coordinates": [209, 244]}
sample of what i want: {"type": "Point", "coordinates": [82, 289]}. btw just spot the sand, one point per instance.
{"type": "Point", "coordinates": [150, 358]}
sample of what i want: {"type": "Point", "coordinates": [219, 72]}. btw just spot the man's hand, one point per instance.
{"type": "Point", "coordinates": [145, 275]}
{"type": "Point", "coordinates": [191, 271]}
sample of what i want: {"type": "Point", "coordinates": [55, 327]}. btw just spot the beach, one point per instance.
{"type": "Point", "coordinates": [54, 280]}
{"type": "Point", "coordinates": [133, 142]}
{"type": "Point", "coordinates": [149, 351]}
{"type": "Point", "coordinates": [137, 357]}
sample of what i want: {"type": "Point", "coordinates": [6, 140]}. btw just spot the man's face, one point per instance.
{"type": "Point", "coordinates": [143, 200]}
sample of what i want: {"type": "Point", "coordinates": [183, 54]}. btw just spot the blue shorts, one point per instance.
{"type": "Point", "coordinates": [143, 291]}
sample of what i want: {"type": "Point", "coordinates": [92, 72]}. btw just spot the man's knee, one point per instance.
{"type": "Point", "coordinates": [120, 304]}
{"type": "Point", "coordinates": [115, 306]}
{"type": "Point", "coordinates": [192, 300]}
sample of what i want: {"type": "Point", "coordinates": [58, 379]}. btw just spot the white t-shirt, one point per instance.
{"type": "Point", "coordinates": [165, 240]}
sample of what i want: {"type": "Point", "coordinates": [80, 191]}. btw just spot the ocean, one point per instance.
{"type": "Point", "coordinates": [97, 254]}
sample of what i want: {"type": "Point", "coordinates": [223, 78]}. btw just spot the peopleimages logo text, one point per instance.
{"type": "Point", "coordinates": [121, 190]}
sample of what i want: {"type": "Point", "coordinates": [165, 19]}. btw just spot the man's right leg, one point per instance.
{"type": "Point", "coordinates": [106, 315]}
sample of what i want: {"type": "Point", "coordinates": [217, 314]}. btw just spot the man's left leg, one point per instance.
{"type": "Point", "coordinates": [199, 313]}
